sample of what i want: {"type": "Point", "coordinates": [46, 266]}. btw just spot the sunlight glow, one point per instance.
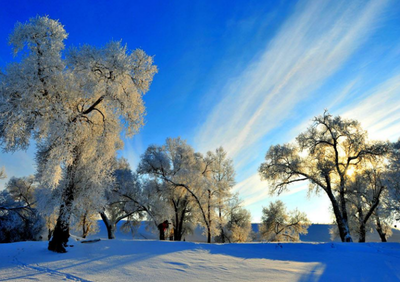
{"type": "Point", "coordinates": [350, 171]}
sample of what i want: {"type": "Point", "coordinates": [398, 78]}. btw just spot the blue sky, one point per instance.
{"type": "Point", "coordinates": [241, 74]}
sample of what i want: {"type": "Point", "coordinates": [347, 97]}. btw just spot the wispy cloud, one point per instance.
{"type": "Point", "coordinates": [313, 44]}
{"type": "Point", "coordinates": [379, 110]}
{"type": "Point", "coordinates": [253, 190]}
{"type": "Point", "coordinates": [379, 113]}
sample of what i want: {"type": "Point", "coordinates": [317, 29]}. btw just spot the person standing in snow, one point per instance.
{"type": "Point", "coordinates": [161, 228]}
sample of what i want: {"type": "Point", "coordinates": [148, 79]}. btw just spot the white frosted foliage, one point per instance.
{"type": "Point", "coordinates": [74, 104]}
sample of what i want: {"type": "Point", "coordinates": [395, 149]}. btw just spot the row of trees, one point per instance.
{"type": "Point", "coordinates": [175, 183]}
{"type": "Point", "coordinates": [360, 177]}
{"type": "Point", "coordinates": [172, 182]}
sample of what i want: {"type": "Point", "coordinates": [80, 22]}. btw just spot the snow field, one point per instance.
{"type": "Point", "coordinates": [149, 260]}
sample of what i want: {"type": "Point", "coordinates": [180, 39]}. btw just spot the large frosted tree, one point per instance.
{"type": "Point", "coordinates": [74, 105]}
{"type": "Point", "coordinates": [323, 155]}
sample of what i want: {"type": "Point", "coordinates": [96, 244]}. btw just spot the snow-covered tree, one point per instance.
{"type": "Point", "coordinates": [182, 206]}
{"type": "Point", "coordinates": [207, 193]}
{"type": "Point", "coordinates": [74, 105]}
{"type": "Point", "coordinates": [278, 225]}
{"type": "Point", "coordinates": [322, 155]}
{"type": "Point", "coordinates": [177, 170]}
{"type": "Point", "coordinates": [221, 175]}
{"type": "Point", "coordinates": [238, 223]}
{"type": "Point", "coordinates": [196, 185]}
{"type": "Point", "coordinates": [22, 189]}
{"type": "Point", "coordinates": [364, 194]}
{"type": "Point", "coordinates": [159, 207]}
{"type": "Point", "coordinates": [123, 199]}
{"type": "Point", "coordinates": [87, 223]}
{"type": "Point", "coordinates": [392, 180]}
{"type": "Point", "coordinates": [19, 218]}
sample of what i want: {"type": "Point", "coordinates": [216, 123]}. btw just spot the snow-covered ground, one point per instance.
{"type": "Point", "coordinates": [150, 260]}
{"type": "Point", "coordinates": [124, 259]}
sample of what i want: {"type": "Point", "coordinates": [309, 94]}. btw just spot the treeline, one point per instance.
{"type": "Point", "coordinates": [171, 183]}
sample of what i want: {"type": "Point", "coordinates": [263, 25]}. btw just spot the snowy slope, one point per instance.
{"type": "Point", "coordinates": [148, 260]}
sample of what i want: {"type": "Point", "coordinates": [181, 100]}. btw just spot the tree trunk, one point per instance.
{"type": "Point", "coordinates": [85, 229]}
{"type": "Point", "coordinates": [346, 231]}
{"type": "Point", "coordinates": [223, 236]}
{"type": "Point", "coordinates": [110, 226]}
{"type": "Point", "coordinates": [179, 228]}
{"type": "Point", "coordinates": [342, 224]}
{"type": "Point", "coordinates": [177, 232]}
{"type": "Point", "coordinates": [177, 225]}
{"type": "Point", "coordinates": [361, 229]}
{"type": "Point", "coordinates": [363, 232]}
{"type": "Point", "coordinates": [220, 222]}
{"type": "Point", "coordinates": [364, 219]}
{"type": "Point", "coordinates": [379, 229]}
{"type": "Point", "coordinates": [209, 218]}
{"type": "Point", "coordinates": [61, 231]}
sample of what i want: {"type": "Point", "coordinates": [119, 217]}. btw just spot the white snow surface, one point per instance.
{"type": "Point", "coordinates": [127, 259]}
{"type": "Point", "coordinates": [151, 260]}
